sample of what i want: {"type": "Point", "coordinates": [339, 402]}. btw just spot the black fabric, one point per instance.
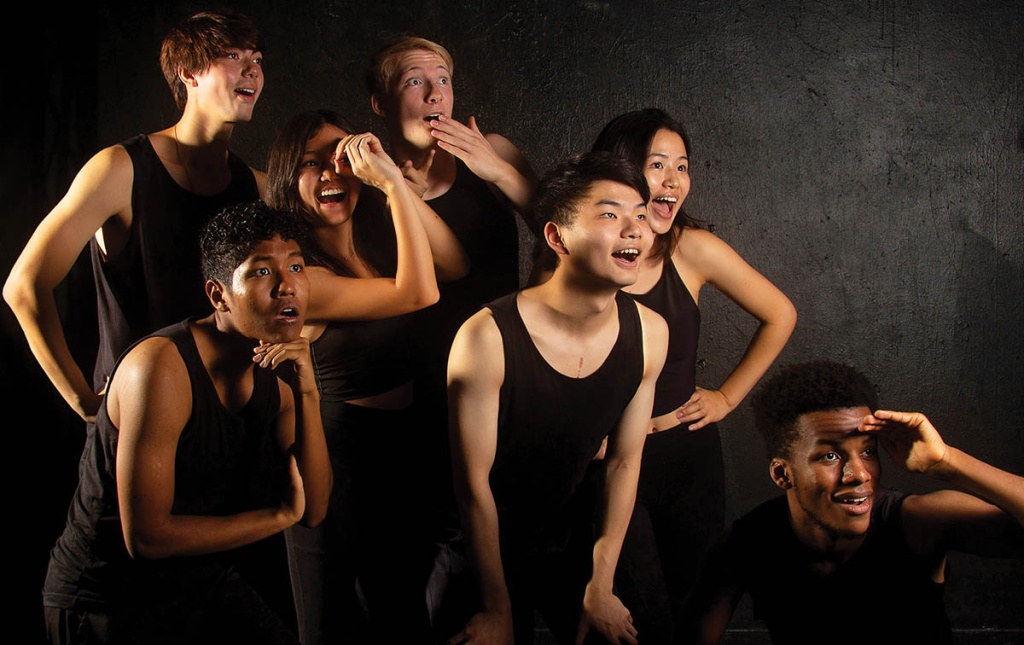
{"type": "Point", "coordinates": [360, 358]}
{"type": "Point", "coordinates": [889, 590]}
{"type": "Point", "coordinates": [550, 425]}
{"type": "Point", "coordinates": [680, 504]}
{"type": "Point", "coordinates": [672, 300]}
{"type": "Point", "coordinates": [155, 280]}
{"type": "Point", "coordinates": [225, 463]}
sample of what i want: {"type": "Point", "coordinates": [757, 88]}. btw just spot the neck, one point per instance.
{"type": "Point", "coordinates": [202, 135]}
{"type": "Point", "coordinates": [224, 350]}
{"type": "Point", "coordinates": [831, 547]}
{"type": "Point", "coordinates": [574, 305]}
{"type": "Point", "coordinates": [337, 240]}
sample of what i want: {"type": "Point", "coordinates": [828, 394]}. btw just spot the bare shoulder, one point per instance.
{"type": "Point", "coordinates": [698, 245]}
{"type": "Point", "coordinates": [154, 361]}
{"type": "Point", "coordinates": [480, 331]}
{"type": "Point", "coordinates": [653, 323]}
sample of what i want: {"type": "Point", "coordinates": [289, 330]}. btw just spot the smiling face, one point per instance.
{"type": "Point", "coordinates": [667, 173]}
{"type": "Point", "coordinates": [420, 90]}
{"type": "Point", "coordinates": [230, 86]}
{"type": "Point", "coordinates": [268, 294]}
{"type": "Point", "coordinates": [328, 198]}
{"type": "Point", "coordinates": [830, 476]}
{"type": "Point", "coordinates": [607, 236]}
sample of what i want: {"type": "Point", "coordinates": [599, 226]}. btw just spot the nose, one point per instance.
{"type": "Point", "coordinates": [631, 228]}
{"type": "Point", "coordinates": [286, 283]}
{"type": "Point", "coordinates": [855, 471]}
{"type": "Point", "coordinates": [252, 70]}
{"type": "Point", "coordinates": [433, 94]}
{"type": "Point", "coordinates": [671, 178]}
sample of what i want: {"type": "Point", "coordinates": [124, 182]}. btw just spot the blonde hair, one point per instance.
{"type": "Point", "coordinates": [384, 64]}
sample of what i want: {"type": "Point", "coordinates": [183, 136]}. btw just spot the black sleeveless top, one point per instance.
{"type": "Point", "coordinates": [358, 358]}
{"type": "Point", "coordinates": [226, 463]}
{"type": "Point", "coordinates": [155, 280]}
{"type": "Point", "coordinates": [670, 298]}
{"type": "Point", "coordinates": [487, 230]}
{"type": "Point", "coordinates": [550, 425]}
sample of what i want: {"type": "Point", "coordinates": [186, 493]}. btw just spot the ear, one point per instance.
{"type": "Point", "coordinates": [187, 77]}
{"type": "Point", "coordinates": [377, 103]}
{"type": "Point", "coordinates": [553, 236]}
{"type": "Point", "coordinates": [215, 291]}
{"type": "Point", "coordinates": [779, 472]}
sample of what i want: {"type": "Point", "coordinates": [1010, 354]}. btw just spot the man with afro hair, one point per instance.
{"type": "Point", "coordinates": [837, 556]}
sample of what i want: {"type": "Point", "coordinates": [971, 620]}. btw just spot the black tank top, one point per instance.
{"type": "Point", "coordinates": [358, 358]}
{"type": "Point", "coordinates": [550, 425]}
{"type": "Point", "coordinates": [670, 298]}
{"type": "Point", "coordinates": [155, 280]}
{"type": "Point", "coordinates": [226, 463]}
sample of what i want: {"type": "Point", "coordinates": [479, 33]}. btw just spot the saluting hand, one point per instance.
{"type": "Point", "coordinates": [911, 440]}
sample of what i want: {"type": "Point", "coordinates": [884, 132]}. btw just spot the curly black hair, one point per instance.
{"type": "Point", "coordinates": [231, 235]}
{"type": "Point", "coordinates": [806, 387]}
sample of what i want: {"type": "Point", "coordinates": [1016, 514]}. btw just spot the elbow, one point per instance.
{"type": "Point", "coordinates": [453, 271]}
{"type": "Point", "coordinates": [16, 294]}
{"type": "Point", "coordinates": [141, 548]}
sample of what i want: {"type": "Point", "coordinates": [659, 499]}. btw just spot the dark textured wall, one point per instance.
{"type": "Point", "coordinates": [867, 156]}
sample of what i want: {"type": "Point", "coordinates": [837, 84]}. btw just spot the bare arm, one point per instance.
{"type": "Point", "coordinates": [300, 428]}
{"type": "Point", "coordinates": [490, 157]}
{"type": "Point", "coordinates": [475, 373]}
{"type": "Point", "coordinates": [414, 285]}
{"type": "Point", "coordinates": [150, 403]}
{"type": "Point", "coordinates": [100, 191]}
{"type": "Point", "coordinates": [988, 521]}
{"type": "Point", "coordinates": [705, 258]}
{"type": "Point", "coordinates": [602, 611]}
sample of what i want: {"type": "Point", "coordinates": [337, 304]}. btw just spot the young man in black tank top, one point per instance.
{"type": "Point", "coordinates": [519, 452]}
{"type": "Point", "coordinates": [198, 450]}
{"type": "Point", "coordinates": [212, 63]}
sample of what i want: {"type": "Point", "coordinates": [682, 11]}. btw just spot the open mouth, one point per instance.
{"type": "Point", "coordinates": [854, 502]}
{"type": "Point", "coordinates": [432, 117]}
{"type": "Point", "coordinates": [290, 314]}
{"type": "Point", "coordinates": [331, 196]}
{"type": "Point", "coordinates": [246, 91]}
{"type": "Point", "coordinates": [663, 206]}
{"type": "Point", "coordinates": [630, 256]}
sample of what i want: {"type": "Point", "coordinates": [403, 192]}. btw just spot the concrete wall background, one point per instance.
{"type": "Point", "coordinates": [866, 156]}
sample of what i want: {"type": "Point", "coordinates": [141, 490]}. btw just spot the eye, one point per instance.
{"type": "Point", "coordinates": [231, 55]}
{"type": "Point", "coordinates": [309, 163]}
{"type": "Point", "coordinates": [641, 217]}
{"type": "Point", "coordinates": [443, 80]}
{"type": "Point", "coordinates": [258, 60]}
{"type": "Point", "coordinates": [296, 268]}
{"type": "Point", "coordinates": [261, 271]}
{"type": "Point", "coordinates": [830, 456]}
{"type": "Point", "coordinates": [413, 82]}
{"type": "Point", "coordinates": [681, 169]}
{"type": "Point", "coordinates": [870, 452]}
{"type": "Point", "coordinates": [657, 165]}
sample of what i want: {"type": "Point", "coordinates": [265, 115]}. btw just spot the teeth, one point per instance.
{"type": "Point", "coordinates": [247, 91]}
{"type": "Point", "coordinates": [330, 192]}
{"type": "Point", "coordinates": [669, 200]}
{"type": "Point", "coordinates": [432, 117]}
{"type": "Point", "coordinates": [633, 252]}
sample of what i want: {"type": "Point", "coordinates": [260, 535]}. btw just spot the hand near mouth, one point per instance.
{"type": "Point", "coordinates": [471, 146]}
{"type": "Point", "coordinates": [294, 353]}
{"type": "Point", "coordinates": [911, 440]}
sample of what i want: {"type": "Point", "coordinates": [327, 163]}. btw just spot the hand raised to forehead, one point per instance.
{"type": "Point", "coordinates": [911, 440]}
{"type": "Point", "coordinates": [369, 162]}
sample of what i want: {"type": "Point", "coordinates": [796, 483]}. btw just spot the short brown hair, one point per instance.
{"type": "Point", "coordinates": [194, 44]}
{"type": "Point", "coordinates": [384, 63]}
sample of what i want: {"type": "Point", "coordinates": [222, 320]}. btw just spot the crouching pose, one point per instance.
{"type": "Point", "coordinates": [208, 439]}
{"type": "Point", "coordinates": [537, 380]}
{"type": "Point", "coordinates": [838, 546]}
